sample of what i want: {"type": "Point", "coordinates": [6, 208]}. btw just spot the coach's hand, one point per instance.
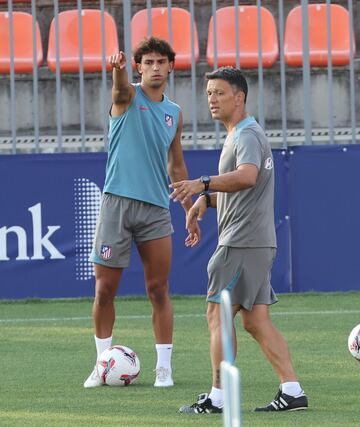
{"type": "Point", "coordinates": [193, 229]}
{"type": "Point", "coordinates": [183, 190]}
{"type": "Point", "coordinates": [118, 60]}
{"type": "Point", "coordinates": [195, 214]}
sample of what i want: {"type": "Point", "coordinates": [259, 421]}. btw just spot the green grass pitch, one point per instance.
{"type": "Point", "coordinates": [47, 350]}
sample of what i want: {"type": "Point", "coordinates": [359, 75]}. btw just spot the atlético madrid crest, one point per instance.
{"type": "Point", "coordinates": [105, 252]}
{"type": "Point", "coordinates": [169, 120]}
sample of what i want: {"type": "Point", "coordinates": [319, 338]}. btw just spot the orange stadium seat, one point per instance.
{"type": "Point", "coordinates": [248, 37]}
{"type": "Point", "coordinates": [69, 41]}
{"type": "Point", "coordinates": [23, 43]}
{"type": "Point", "coordinates": [318, 41]}
{"type": "Point", "coordinates": [181, 32]}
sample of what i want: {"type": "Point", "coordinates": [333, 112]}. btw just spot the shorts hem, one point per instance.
{"type": "Point", "coordinates": [213, 300]}
{"type": "Point", "coordinates": [106, 264]}
{"type": "Point", "coordinates": [157, 237]}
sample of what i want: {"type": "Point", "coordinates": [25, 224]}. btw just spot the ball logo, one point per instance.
{"type": "Point", "coordinates": [354, 342]}
{"type": "Point", "coordinates": [269, 164]}
{"type": "Point", "coordinates": [355, 345]}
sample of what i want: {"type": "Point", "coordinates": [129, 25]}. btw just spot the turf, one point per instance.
{"type": "Point", "coordinates": [47, 350]}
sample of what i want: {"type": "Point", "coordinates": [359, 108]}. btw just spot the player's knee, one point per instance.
{"type": "Point", "coordinates": [104, 294]}
{"type": "Point", "coordinates": [251, 327]}
{"type": "Point", "coordinates": [157, 290]}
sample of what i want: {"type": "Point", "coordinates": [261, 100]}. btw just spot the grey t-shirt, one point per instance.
{"type": "Point", "coordinates": [246, 217]}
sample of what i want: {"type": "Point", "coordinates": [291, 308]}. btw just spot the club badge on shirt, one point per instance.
{"type": "Point", "coordinates": [169, 120]}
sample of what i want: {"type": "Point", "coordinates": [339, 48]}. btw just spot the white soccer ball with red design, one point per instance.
{"type": "Point", "coordinates": [354, 342]}
{"type": "Point", "coordinates": [118, 366]}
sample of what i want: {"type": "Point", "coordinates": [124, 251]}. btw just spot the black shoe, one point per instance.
{"type": "Point", "coordinates": [202, 406]}
{"type": "Point", "coordinates": [284, 402]}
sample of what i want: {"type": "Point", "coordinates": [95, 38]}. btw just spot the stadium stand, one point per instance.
{"type": "Point", "coordinates": [318, 36]}
{"type": "Point", "coordinates": [92, 41]}
{"type": "Point", "coordinates": [248, 37]}
{"type": "Point", "coordinates": [268, 85]}
{"type": "Point", "coordinates": [22, 42]}
{"type": "Point", "coordinates": [181, 32]}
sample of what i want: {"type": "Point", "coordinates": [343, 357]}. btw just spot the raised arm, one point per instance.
{"type": "Point", "coordinates": [122, 90]}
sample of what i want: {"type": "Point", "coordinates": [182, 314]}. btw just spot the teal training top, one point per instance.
{"type": "Point", "coordinates": [139, 141]}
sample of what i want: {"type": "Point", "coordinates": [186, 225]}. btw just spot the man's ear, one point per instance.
{"type": "Point", "coordinates": [171, 67]}
{"type": "Point", "coordinates": [138, 67]}
{"type": "Point", "coordinates": [240, 97]}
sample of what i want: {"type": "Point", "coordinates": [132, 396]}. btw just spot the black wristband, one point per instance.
{"type": "Point", "coordinates": [207, 197]}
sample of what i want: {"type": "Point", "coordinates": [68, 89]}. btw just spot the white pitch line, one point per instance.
{"type": "Point", "coordinates": [177, 316]}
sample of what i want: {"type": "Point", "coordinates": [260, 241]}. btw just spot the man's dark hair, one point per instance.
{"type": "Point", "coordinates": [232, 75]}
{"type": "Point", "coordinates": [153, 44]}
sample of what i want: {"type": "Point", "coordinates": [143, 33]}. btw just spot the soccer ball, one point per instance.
{"type": "Point", "coordinates": [118, 366]}
{"type": "Point", "coordinates": [354, 342]}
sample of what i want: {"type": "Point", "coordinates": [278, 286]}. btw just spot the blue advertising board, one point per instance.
{"type": "Point", "coordinates": [49, 205]}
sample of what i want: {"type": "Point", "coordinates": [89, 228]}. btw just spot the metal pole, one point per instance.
{"type": "Point", "coordinates": [127, 36]}
{"type": "Point", "coordinates": [149, 16]}
{"type": "Point", "coordinates": [306, 72]}
{"type": "Point", "coordinates": [330, 72]}
{"type": "Point", "coordinates": [260, 68]}
{"type": "Point", "coordinates": [170, 27]}
{"type": "Point", "coordinates": [81, 75]}
{"type": "Point", "coordinates": [103, 75]}
{"type": "Point", "coordinates": [12, 78]}
{"type": "Point", "coordinates": [213, 9]}
{"type": "Point", "coordinates": [35, 77]}
{"type": "Point", "coordinates": [352, 73]}
{"type": "Point", "coordinates": [237, 33]}
{"type": "Point", "coordinates": [282, 74]}
{"type": "Point", "coordinates": [58, 78]}
{"type": "Point", "coordinates": [193, 76]}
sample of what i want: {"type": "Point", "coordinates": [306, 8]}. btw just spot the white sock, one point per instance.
{"type": "Point", "coordinates": [216, 396]}
{"type": "Point", "coordinates": [102, 344]}
{"type": "Point", "coordinates": [164, 352]}
{"type": "Point", "coordinates": [291, 388]}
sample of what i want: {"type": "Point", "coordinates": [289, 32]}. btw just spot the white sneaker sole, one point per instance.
{"type": "Point", "coordinates": [164, 384]}
{"type": "Point", "coordinates": [93, 380]}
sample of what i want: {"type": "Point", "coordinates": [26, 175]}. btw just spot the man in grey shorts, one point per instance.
{"type": "Point", "coordinates": [243, 194]}
{"type": "Point", "coordinates": [144, 147]}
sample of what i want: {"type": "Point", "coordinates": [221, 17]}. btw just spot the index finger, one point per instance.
{"type": "Point", "coordinates": [176, 184]}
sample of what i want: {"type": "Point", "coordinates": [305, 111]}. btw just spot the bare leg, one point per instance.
{"type": "Point", "coordinates": [156, 258]}
{"type": "Point", "coordinates": [107, 282]}
{"type": "Point", "coordinates": [216, 354]}
{"type": "Point", "coordinates": [259, 324]}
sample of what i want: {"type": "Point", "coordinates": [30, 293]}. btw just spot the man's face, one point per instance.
{"type": "Point", "coordinates": [223, 99]}
{"type": "Point", "coordinates": [154, 69]}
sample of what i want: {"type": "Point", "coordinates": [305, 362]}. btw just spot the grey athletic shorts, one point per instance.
{"type": "Point", "coordinates": [244, 272]}
{"type": "Point", "coordinates": [122, 220]}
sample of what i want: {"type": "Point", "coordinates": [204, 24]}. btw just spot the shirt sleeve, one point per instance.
{"type": "Point", "coordinates": [247, 149]}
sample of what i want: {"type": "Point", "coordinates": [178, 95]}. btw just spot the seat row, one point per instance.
{"type": "Point", "coordinates": [226, 45]}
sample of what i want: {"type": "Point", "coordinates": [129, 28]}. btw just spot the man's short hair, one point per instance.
{"type": "Point", "coordinates": [153, 44]}
{"type": "Point", "coordinates": [232, 75]}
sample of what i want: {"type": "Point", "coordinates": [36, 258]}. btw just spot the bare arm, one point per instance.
{"type": "Point", "coordinates": [243, 177]}
{"type": "Point", "coordinates": [213, 200]}
{"type": "Point", "coordinates": [122, 91]}
{"type": "Point", "coordinates": [177, 171]}
{"type": "Point", "coordinates": [176, 166]}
